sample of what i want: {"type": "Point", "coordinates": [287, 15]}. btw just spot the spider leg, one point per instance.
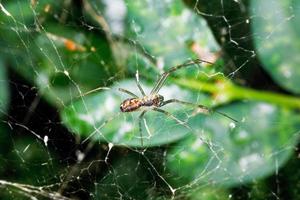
{"type": "Point", "coordinates": [203, 108]}
{"type": "Point", "coordinates": [137, 78]}
{"type": "Point", "coordinates": [128, 92]}
{"type": "Point", "coordinates": [172, 116]}
{"type": "Point", "coordinates": [164, 76]}
{"type": "Point", "coordinates": [140, 126]}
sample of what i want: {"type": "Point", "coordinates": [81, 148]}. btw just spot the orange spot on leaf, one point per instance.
{"type": "Point", "coordinates": [70, 45]}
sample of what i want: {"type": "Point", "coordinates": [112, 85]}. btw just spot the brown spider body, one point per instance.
{"type": "Point", "coordinates": [133, 104]}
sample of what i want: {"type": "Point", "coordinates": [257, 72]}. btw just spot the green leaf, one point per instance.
{"type": "Point", "coordinates": [151, 24]}
{"type": "Point", "coordinates": [88, 117]}
{"type": "Point", "coordinates": [56, 68]}
{"type": "Point", "coordinates": [63, 69]}
{"type": "Point", "coordinates": [128, 178]}
{"type": "Point", "coordinates": [229, 155]}
{"type": "Point", "coordinates": [207, 193]}
{"type": "Point", "coordinates": [60, 60]}
{"type": "Point", "coordinates": [4, 92]}
{"type": "Point", "coordinates": [34, 164]}
{"type": "Point", "coordinates": [291, 176]}
{"type": "Point", "coordinates": [276, 31]}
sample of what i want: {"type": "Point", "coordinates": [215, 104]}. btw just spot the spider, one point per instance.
{"type": "Point", "coordinates": [154, 100]}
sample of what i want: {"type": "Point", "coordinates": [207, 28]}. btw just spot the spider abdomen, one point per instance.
{"type": "Point", "coordinates": [130, 105]}
{"type": "Point", "coordinates": [134, 104]}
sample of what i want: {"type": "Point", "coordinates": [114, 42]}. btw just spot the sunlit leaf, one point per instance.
{"type": "Point", "coordinates": [254, 148]}
{"type": "Point", "coordinates": [97, 116]}
{"type": "Point", "coordinates": [152, 24]}
{"type": "Point", "coordinates": [277, 41]}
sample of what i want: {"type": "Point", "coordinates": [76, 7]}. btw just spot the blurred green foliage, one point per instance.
{"type": "Point", "coordinates": [4, 89]}
{"type": "Point", "coordinates": [278, 49]}
{"type": "Point", "coordinates": [77, 54]}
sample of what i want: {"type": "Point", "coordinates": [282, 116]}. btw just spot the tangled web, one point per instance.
{"type": "Point", "coordinates": [63, 135]}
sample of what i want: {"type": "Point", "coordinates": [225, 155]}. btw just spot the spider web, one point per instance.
{"type": "Point", "coordinates": [63, 136]}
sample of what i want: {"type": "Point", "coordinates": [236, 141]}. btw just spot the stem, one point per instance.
{"type": "Point", "coordinates": [232, 92]}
